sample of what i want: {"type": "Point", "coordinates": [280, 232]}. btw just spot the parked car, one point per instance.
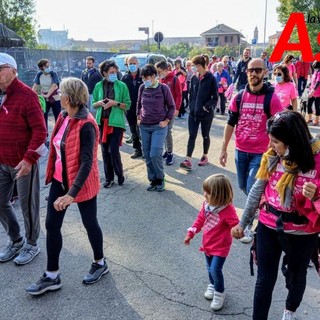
{"type": "Point", "coordinates": [144, 58]}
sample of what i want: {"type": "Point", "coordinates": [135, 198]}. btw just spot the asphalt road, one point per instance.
{"type": "Point", "coordinates": [152, 276]}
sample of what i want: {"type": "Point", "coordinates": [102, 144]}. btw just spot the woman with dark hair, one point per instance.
{"type": "Point", "coordinates": [202, 101]}
{"type": "Point", "coordinates": [288, 62]}
{"type": "Point", "coordinates": [155, 110]}
{"type": "Point", "coordinates": [314, 94]}
{"type": "Point", "coordinates": [111, 99]}
{"type": "Point", "coordinates": [73, 173]}
{"type": "Point", "coordinates": [288, 197]}
{"type": "Point", "coordinates": [284, 88]}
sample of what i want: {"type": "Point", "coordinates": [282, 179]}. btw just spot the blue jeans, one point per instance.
{"type": "Point", "coordinates": [153, 138]}
{"type": "Point", "coordinates": [214, 267]}
{"type": "Point", "coordinates": [269, 251]}
{"type": "Point", "coordinates": [247, 167]}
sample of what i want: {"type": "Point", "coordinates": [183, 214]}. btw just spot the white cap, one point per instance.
{"type": "Point", "coordinates": [7, 59]}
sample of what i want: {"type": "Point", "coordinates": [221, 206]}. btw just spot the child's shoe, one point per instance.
{"type": "Point", "coordinates": [218, 300]}
{"type": "Point", "coordinates": [209, 292]}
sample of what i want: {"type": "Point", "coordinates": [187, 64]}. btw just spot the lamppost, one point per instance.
{"type": "Point", "coordinates": [146, 31]}
{"type": "Point", "coordinates": [265, 24]}
{"type": "Point", "coordinates": [240, 43]}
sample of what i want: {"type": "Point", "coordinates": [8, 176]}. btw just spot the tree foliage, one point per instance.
{"type": "Point", "coordinates": [18, 15]}
{"type": "Point", "coordinates": [307, 7]}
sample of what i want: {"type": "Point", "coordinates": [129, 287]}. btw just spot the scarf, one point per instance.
{"type": "Point", "coordinates": [284, 185]}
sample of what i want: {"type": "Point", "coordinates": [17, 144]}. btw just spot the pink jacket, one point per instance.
{"type": "Point", "coordinates": [216, 239]}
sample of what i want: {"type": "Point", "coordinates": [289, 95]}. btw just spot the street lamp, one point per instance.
{"type": "Point", "coordinates": [265, 24]}
{"type": "Point", "coordinates": [146, 31]}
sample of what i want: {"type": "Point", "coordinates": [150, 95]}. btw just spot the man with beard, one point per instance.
{"type": "Point", "coordinates": [242, 65]}
{"type": "Point", "coordinates": [249, 119]}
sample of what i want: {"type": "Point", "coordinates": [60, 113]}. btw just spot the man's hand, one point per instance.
{"type": "Point", "coordinates": [223, 158]}
{"type": "Point", "coordinates": [23, 168]}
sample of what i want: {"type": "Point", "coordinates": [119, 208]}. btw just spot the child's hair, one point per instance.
{"type": "Point", "coordinates": [219, 189]}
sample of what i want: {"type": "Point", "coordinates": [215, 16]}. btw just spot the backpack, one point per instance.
{"type": "Point", "coordinates": [266, 102]}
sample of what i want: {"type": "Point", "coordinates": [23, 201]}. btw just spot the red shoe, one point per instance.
{"type": "Point", "coordinates": [203, 161]}
{"type": "Point", "coordinates": [186, 164]}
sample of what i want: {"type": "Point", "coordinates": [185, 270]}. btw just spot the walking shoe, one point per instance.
{"type": "Point", "coordinates": [160, 185]}
{"type": "Point", "coordinates": [108, 184]}
{"type": "Point", "coordinates": [169, 160]}
{"type": "Point", "coordinates": [27, 254]}
{"type": "Point", "coordinates": [153, 186]}
{"type": "Point", "coordinates": [203, 161]}
{"type": "Point", "coordinates": [137, 153]}
{"type": "Point", "coordinates": [186, 164]}
{"type": "Point", "coordinates": [96, 272]}
{"type": "Point", "coordinates": [218, 300]}
{"type": "Point", "coordinates": [129, 140]}
{"type": "Point", "coordinates": [288, 315]}
{"type": "Point", "coordinates": [248, 236]}
{"type": "Point", "coordinates": [121, 180]}
{"type": "Point", "coordinates": [209, 292]}
{"type": "Point", "coordinates": [164, 156]}
{"type": "Point", "coordinates": [44, 284]}
{"type": "Point", "coordinates": [11, 250]}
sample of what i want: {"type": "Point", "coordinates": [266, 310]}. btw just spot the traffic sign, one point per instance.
{"type": "Point", "coordinates": [158, 37]}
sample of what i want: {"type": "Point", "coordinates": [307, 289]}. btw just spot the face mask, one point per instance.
{"type": "Point", "coordinates": [279, 79]}
{"type": "Point", "coordinates": [47, 70]}
{"type": "Point", "coordinates": [147, 83]}
{"type": "Point", "coordinates": [112, 77]}
{"type": "Point", "coordinates": [194, 69]}
{"type": "Point", "coordinates": [133, 67]}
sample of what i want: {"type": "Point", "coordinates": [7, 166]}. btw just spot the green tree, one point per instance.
{"type": "Point", "coordinates": [311, 7]}
{"type": "Point", "coordinates": [18, 15]}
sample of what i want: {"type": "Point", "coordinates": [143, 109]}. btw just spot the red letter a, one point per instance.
{"type": "Point", "coordinates": [296, 18]}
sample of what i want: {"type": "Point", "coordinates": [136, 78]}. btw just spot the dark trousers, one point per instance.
{"type": "Point", "coordinates": [184, 103]}
{"type": "Point", "coordinates": [111, 154]}
{"type": "Point", "coordinates": [134, 129]}
{"type": "Point", "coordinates": [193, 126]}
{"type": "Point", "coordinates": [316, 101]}
{"type": "Point", "coordinates": [268, 256]}
{"type": "Point", "coordinates": [54, 220]}
{"type": "Point", "coordinates": [222, 102]}
{"type": "Point", "coordinates": [302, 82]}
{"type": "Point", "coordinates": [56, 109]}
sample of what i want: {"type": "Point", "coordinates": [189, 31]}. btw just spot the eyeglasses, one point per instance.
{"type": "Point", "coordinates": [256, 70]}
{"type": "Point", "coordinates": [4, 67]}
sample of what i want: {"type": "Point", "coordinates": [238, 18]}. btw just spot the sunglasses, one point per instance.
{"type": "Point", "coordinates": [256, 70]}
{"type": "Point", "coordinates": [278, 74]}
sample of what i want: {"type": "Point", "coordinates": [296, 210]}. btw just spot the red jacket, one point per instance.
{"type": "Point", "coordinates": [175, 87]}
{"type": "Point", "coordinates": [72, 162]}
{"type": "Point", "coordinates": [216, 239]}
{"type": "Point", "coordinates": [22, 128]}
{"type": "Point", "coordinates": [302, 69]}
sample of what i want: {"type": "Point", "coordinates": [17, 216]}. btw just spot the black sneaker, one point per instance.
{"type": "Point", "coordinates": [137, 154]}
{"type": "Point", "coordinates": [164, 156]}
{"type": "Point", "coordinates": [96, 272]}
{"type": "Point", "coordinates": [44, 284]}
{"type": "Point", "coordinates": [161, 185]}
{"type": "Point", "coordinates": [153, 186]}
{"type": "Point", "coordinates": [121, 180]}
{"type": "Point", "coordinates": [169, 160]}
{"type": "Point", "coordinates": [108, 184]}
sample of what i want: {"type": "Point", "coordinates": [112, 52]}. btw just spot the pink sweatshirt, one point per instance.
{"type": "Point", "coordinates": [216, 239]}
{"type": "Point", "coordinates": [250, 133]}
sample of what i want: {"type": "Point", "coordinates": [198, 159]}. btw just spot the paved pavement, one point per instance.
{"type": "Point", "coordinates": [152, 276]}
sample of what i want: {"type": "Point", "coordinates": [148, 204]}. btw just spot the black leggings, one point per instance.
{"type": "Point", "coordinates": [316, 101]}
{"type": "Point", "coordinates": [54, 220]}
{"type": "Point", "coordinates": [193, 126]}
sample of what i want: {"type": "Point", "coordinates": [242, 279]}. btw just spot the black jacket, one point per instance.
{"type": "Point", "coordinates": [203, 96]}
{"type": "Point", "coordinates": [91, 78]}
{"type": "Point", "coordinates": [241, 73]}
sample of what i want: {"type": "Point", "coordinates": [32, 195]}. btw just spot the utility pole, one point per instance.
{"type": "Point", "coordinates": [265, 23]}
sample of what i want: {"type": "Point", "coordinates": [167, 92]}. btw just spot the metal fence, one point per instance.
{"type": "Point", "coordinates": [65, 63]}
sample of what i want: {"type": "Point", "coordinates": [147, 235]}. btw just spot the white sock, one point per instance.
{"type": "Point", "coordinates": [100, 262]}
{"type": "Point", "coordinates": [52, 275]}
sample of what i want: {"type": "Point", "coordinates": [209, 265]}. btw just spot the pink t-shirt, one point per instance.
{"type": "Point", "coordinates": [286, 92]}
{"type": "Point", "coordinates": [57, 145]}
{"type": "Point", "coordinates": [250, 133]}
{"type": "Point", "coordinates": [315, 78]}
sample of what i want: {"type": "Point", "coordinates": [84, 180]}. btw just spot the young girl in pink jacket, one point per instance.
{"type": "Point", "coordinates": [216, 217]}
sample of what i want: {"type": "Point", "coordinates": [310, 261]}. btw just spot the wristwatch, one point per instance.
{"type": "Point", "coordinates": [118, 104]}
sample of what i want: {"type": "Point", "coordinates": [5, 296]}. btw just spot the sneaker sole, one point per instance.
{"type": "Point", "coordinates": [26, 262]}
{"type": "Point", "coordinates": [185, 168]}
{"type": "Point", "coordinates": [202, 165]}
{"type": "Point", "coordinates": [51, 288]}
{"type": "Point", "coordinates": [208, 297]}
{"type": "Point", "coordinates": [6, 260]}
{"type": "Point", "coordinates": [94, 281]}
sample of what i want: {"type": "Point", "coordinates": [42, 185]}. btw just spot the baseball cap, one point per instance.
{"type": "Point", "coordinates": [7, 59]}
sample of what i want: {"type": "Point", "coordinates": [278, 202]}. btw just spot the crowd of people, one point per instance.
{"type": "Point", "coordinates": [277, 159]}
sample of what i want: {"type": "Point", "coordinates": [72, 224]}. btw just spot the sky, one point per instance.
{"type": "Point", "coordinates": [119, 20]}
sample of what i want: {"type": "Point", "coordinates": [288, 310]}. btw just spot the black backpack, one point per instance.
{"type": "Point", "coordinates": [266, 102]}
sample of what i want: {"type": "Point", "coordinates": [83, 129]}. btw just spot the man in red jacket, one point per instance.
{"type": "Point", "coordinates": [168, 77]}
{"type": "Point", "coordinates": [303, 71]}
{"type": "Point", "coordinates": [22, 137]}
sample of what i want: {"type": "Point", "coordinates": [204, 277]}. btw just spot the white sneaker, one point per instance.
{"type": "Point", "coordinates": [209, 292]}
{"type": "Point", "coordinates": [288, 315]}
{"type": "Point", "coordinates": [248, 236]}
{"type": "Point", "coordinates": [218, 300]}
